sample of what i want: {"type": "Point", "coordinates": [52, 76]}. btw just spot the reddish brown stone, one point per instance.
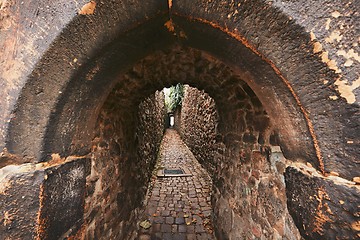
{"type": "Point", "coordinates": [256, 174]}
{"type": "Point", "coordinates": [256, 231]}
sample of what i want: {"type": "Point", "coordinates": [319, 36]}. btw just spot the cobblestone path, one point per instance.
{"type": "Point", "coordinates": [177, 207]}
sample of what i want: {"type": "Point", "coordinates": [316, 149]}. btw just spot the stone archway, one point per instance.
{"type": "Point", "coordinates": [56, 92]}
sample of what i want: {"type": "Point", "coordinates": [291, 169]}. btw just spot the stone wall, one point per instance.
{"type": "Point", "coordinates": [299, 57]}
{"type": "Point", "coordinates": [197, 122]}
{"type": "Point", "coordinates": [43, 201]}
{"type": "Point", "coordinates": [97, 196]}
{"type": "Point", "coordinates": [249, 197]}
{"type": "Point", "coordinates": [331, 201]}
{"type": "Point", "coordinates": [149, 133]}
{"type": "Point", "coordinates": [177, 118]}
{"type": "Point", "coordinates": [121, 166]}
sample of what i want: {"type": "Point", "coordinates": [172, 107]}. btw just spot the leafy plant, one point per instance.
{"type": "Point", "coordinates": [174, 96]}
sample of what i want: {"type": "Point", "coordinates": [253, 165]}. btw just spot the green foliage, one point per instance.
{"type": "Point", "coordinates": [173, 98]}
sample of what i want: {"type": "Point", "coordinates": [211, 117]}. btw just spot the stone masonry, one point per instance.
{"type": "Point", "coordinates": [120, 171]}
{"type": "Point", "coordinates": [178, 207]}
{"type": "Point", "coordinates": [249, 198]}
{"type": "Point", "coordinates": [283, 74]}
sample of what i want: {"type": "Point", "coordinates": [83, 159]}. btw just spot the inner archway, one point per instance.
{"type": "Point", "coordinates": [234, 138]}
{"type": "Point", "coordinates": [128, 151]}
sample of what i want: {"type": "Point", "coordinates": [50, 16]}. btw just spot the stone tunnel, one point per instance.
{"type": "Point", "coordinates": [271, 112]}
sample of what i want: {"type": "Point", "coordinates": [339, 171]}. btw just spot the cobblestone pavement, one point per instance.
{"type": "Point", "coordinates": [177, 207]}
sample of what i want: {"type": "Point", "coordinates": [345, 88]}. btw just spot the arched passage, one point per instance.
{"type": "Point", "coordinates": [87, 89]}
{"type": "Point", "coordinates": [242, 55]}
{"type": "Point", "coordinates": [60, 101]}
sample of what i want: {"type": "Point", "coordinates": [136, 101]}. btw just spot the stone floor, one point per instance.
{"type": "Point", "coordinates": [177, 207]}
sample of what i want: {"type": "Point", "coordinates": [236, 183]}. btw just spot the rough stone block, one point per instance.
{"type": "Point", "coordinates": [62, 198]}
{"type": "Point", "coordinates": [19, 204]}
{"type": "Point", "coordinates": [322, 208]}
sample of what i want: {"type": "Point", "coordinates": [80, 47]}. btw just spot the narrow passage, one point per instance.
{"type": "Point", "coordinates": [178, 207]}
